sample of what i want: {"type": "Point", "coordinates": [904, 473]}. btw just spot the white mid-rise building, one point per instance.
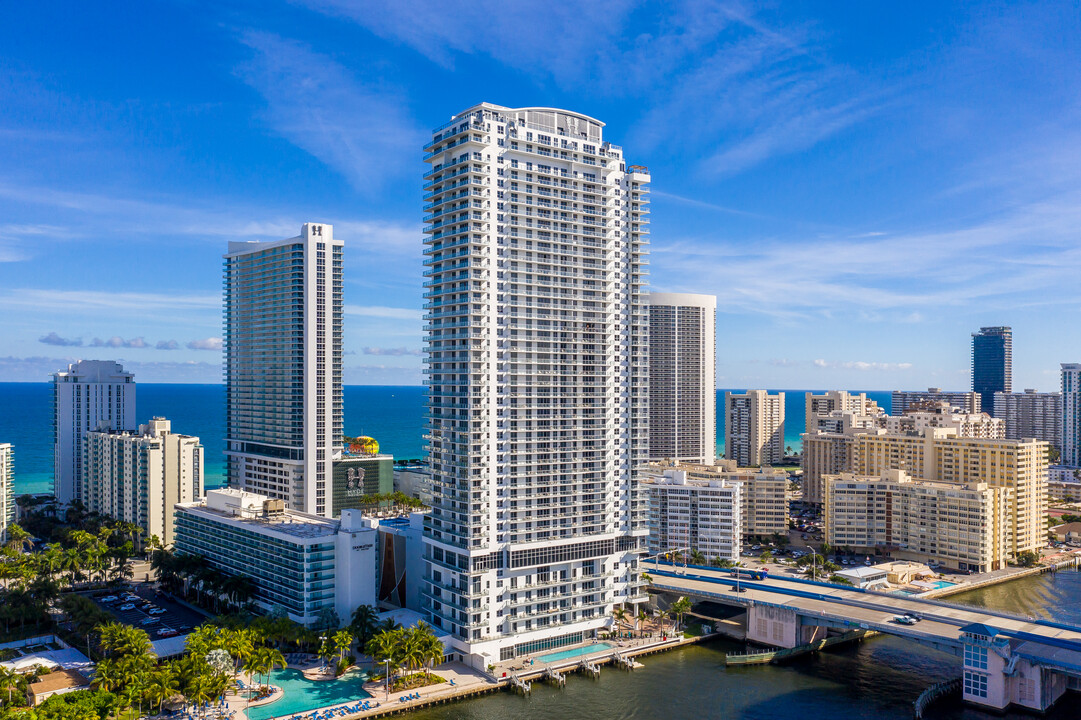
{"type": "Point", "coordinates": [754, 428]}
{"type": "Point", "coordinates": [311, 567]}
{"type": "Point", "coordinates": [1071, 414]}
{"type": "Point", "coordinates": [7, 488]}
{"type": "Point", "coordinates": [537, 359]}
{"type": "Point", "coordinates": [763, 494]}
{"type": "Point", "coordinates": [942, 415]}
{"type": "Point", "coordinates": [139, 477]}
{"type": "Point", "coordinates": [283, 367]}
{"type": "Point", "coordinates": [89, 395]}
{"type": "Point", "coordinates": [689, 515]}
{"type": "Point", "coordinates": [682, 377]}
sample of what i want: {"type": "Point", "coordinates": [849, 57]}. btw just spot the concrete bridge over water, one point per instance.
{"type": "Point", "coordinates": [1006, 658]}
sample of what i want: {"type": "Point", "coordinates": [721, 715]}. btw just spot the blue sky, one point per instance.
{"type": "Point", "coordinates": [861, 184]}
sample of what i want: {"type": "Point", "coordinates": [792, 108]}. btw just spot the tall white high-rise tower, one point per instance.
{"type": "Point", "coordinates": [1071, 414]}
{"type": "Point", "coordinates": [283, 367]}
{"type": "Point", "coordinates": [537, 360]}
{"type": "Point", "coordinates": [682, 377]}
{"type": "Point", "coordinates": [90, 395]}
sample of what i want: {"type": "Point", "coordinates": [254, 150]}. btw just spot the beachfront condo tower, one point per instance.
{"type": "Point", "coordinates": [536, 352]}
{"type": "Point", "coordinates": [283, 367]}
{"type": "Point", "coordinates": [754, 428]}
{"type": "Point", "coordinates": [90, 395]}
{"type": "Point", "coordinates": [682, 372]}
{"type": "Point", "coordinates": [1071, 414]}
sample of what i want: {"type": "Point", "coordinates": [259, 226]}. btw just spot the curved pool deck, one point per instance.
{"type": "Point", "coordinates": [301, 695]}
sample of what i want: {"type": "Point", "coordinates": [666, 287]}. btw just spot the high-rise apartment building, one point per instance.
{"type": "Point", "coordinates": [904, 400]}
{"type": "Point", "coordinates": [537, 354]}
{"type": "Point", "coordinates": [89, 395]}
{"type": "Point", "coordinates": [7, 488]}
{"type": "Point", "coordinates": [992, 364]}
{"type": "Point", "coordinates": [827, 448]}
{"type": "Point", "coordinates": [825, 404]}
{"type": "Point", "coordinates": [139, 477]}
{"type": "Point", "coordinates": [1071, 414]}
{"type": "Point", "coordinates": [283, 367]}
{"type": "Point", "coordinates": [682, 377]}
{"type": "Point", "coordinates": [754, 428]}
{"type": "Point", "coordinates": [1031, 414]}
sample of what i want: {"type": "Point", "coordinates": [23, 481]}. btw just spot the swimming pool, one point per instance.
{"type": "Point", "coordinates": [303, 695]}
{"type": "Point", "coordinates": [939, 584]}
{"type": "Point", "coordinates": [575, 652]}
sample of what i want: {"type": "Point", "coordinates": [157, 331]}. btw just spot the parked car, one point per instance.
{"type": "Point", "coordinates": [149, 621]}
{"type": "Point", "coordinates": [167, 632]}
{"type": "Point", "coordinates": [156, 611]}
{"type": "Point", "coordinates": [109, 599]}
{"type": "Point", "coordinates": [127, 606]}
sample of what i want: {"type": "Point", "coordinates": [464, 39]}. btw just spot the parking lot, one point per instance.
{"type": "Point", "coordinates": [143, 607]}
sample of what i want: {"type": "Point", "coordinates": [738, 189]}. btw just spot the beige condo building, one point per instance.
{"type": "Point", "coordinates": [824, 406]}
{"type": "Point", "coordinates": [967, 526]}
{"type": "Point", "coordinates": [754, 428]}
{"type": "Point", "coordinates": [939, 455]}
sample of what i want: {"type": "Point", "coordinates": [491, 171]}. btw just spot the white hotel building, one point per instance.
{"type": "Point", "coordinates": [537, 373]}
{"type": "Point", "coordinates": [682, 377]}
{"type": "Point", "coordinates": [89, 395]}
{"type": "Point", "coordinates": [283, 367]}
{"type": "Point", "coordinates": [302, 564]}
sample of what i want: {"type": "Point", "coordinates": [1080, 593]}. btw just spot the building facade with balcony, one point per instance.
{"type": "Point", "coordinates": [754, 428]}
{"type": "Point", "coordinates": [90, 395]}
{"type": "Point", "coordinates": [695, 515]}
{"type": "Point", "coordinates": [283, 367]}
{"type": "Point", "coordinates": [139, 477]}
{"type": "Point", "coordinates": [312, 568]}
{"type": "Point", "coordinates": [682, 377]}
{"type": "Point", "coordinates": [536, 350]}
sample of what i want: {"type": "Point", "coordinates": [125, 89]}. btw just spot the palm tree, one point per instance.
{"type": "Point", "coordinates": [8, 680]}
{"type": "Point", "coordinates": [678, 609]}
{"type": "Point", "coordinates": [642, 617]}
{"type": "Point", "coordinates": [364, 622]}
{"type": "Point", "coordinates": [19, 540]}
{"type": "Point", "coordinates": [342, 640]}
{"type": "Point", "coordinates": [431, 646]}
{"type": "Point", "coordinates": [384, 646]}
{"type": "Point", "coordinates": [698, 557]}
{"type": "Point", "coordinates": [648, 578]}
{"type": "Point", "coordinates": [620, 614]}
{"type": "Point", "coordinates": [164, 683]}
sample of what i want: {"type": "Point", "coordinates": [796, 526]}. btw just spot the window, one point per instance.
{"type": "Point", "coordinates": [976, 657]}
{"type": "Point", "coordinates": [975, 684]}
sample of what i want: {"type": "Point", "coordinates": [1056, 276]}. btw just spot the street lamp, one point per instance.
{"type": "Point", "coordinates": [387, 661]}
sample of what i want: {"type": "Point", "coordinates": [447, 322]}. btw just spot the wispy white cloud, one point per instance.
{"type": "Point", "coordinates": [167, 345]}
{"type": "Point", "coordinates": [862, 365]}
{"type": "Point", "coordinates": [93, 302]}
{"type": "Point", "coordinates": [353, 124]}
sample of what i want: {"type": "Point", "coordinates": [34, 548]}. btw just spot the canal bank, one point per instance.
{"type": "Point", "coordinates": [878, 679]}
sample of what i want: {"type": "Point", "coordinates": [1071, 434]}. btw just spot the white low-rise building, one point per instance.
{"type": "Point", "coordinates": [868, 578]}
{"type": "Point", "coordinates": [7, 488]}
{"type": "Point", "coordinates": [303, 564]}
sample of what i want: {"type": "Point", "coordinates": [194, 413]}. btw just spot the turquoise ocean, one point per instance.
{"type": "Point", "coordinates": [393, 415]}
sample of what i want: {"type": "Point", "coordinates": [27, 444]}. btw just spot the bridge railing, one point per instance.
{"type": "Point", "coordinates": [931, 601]}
